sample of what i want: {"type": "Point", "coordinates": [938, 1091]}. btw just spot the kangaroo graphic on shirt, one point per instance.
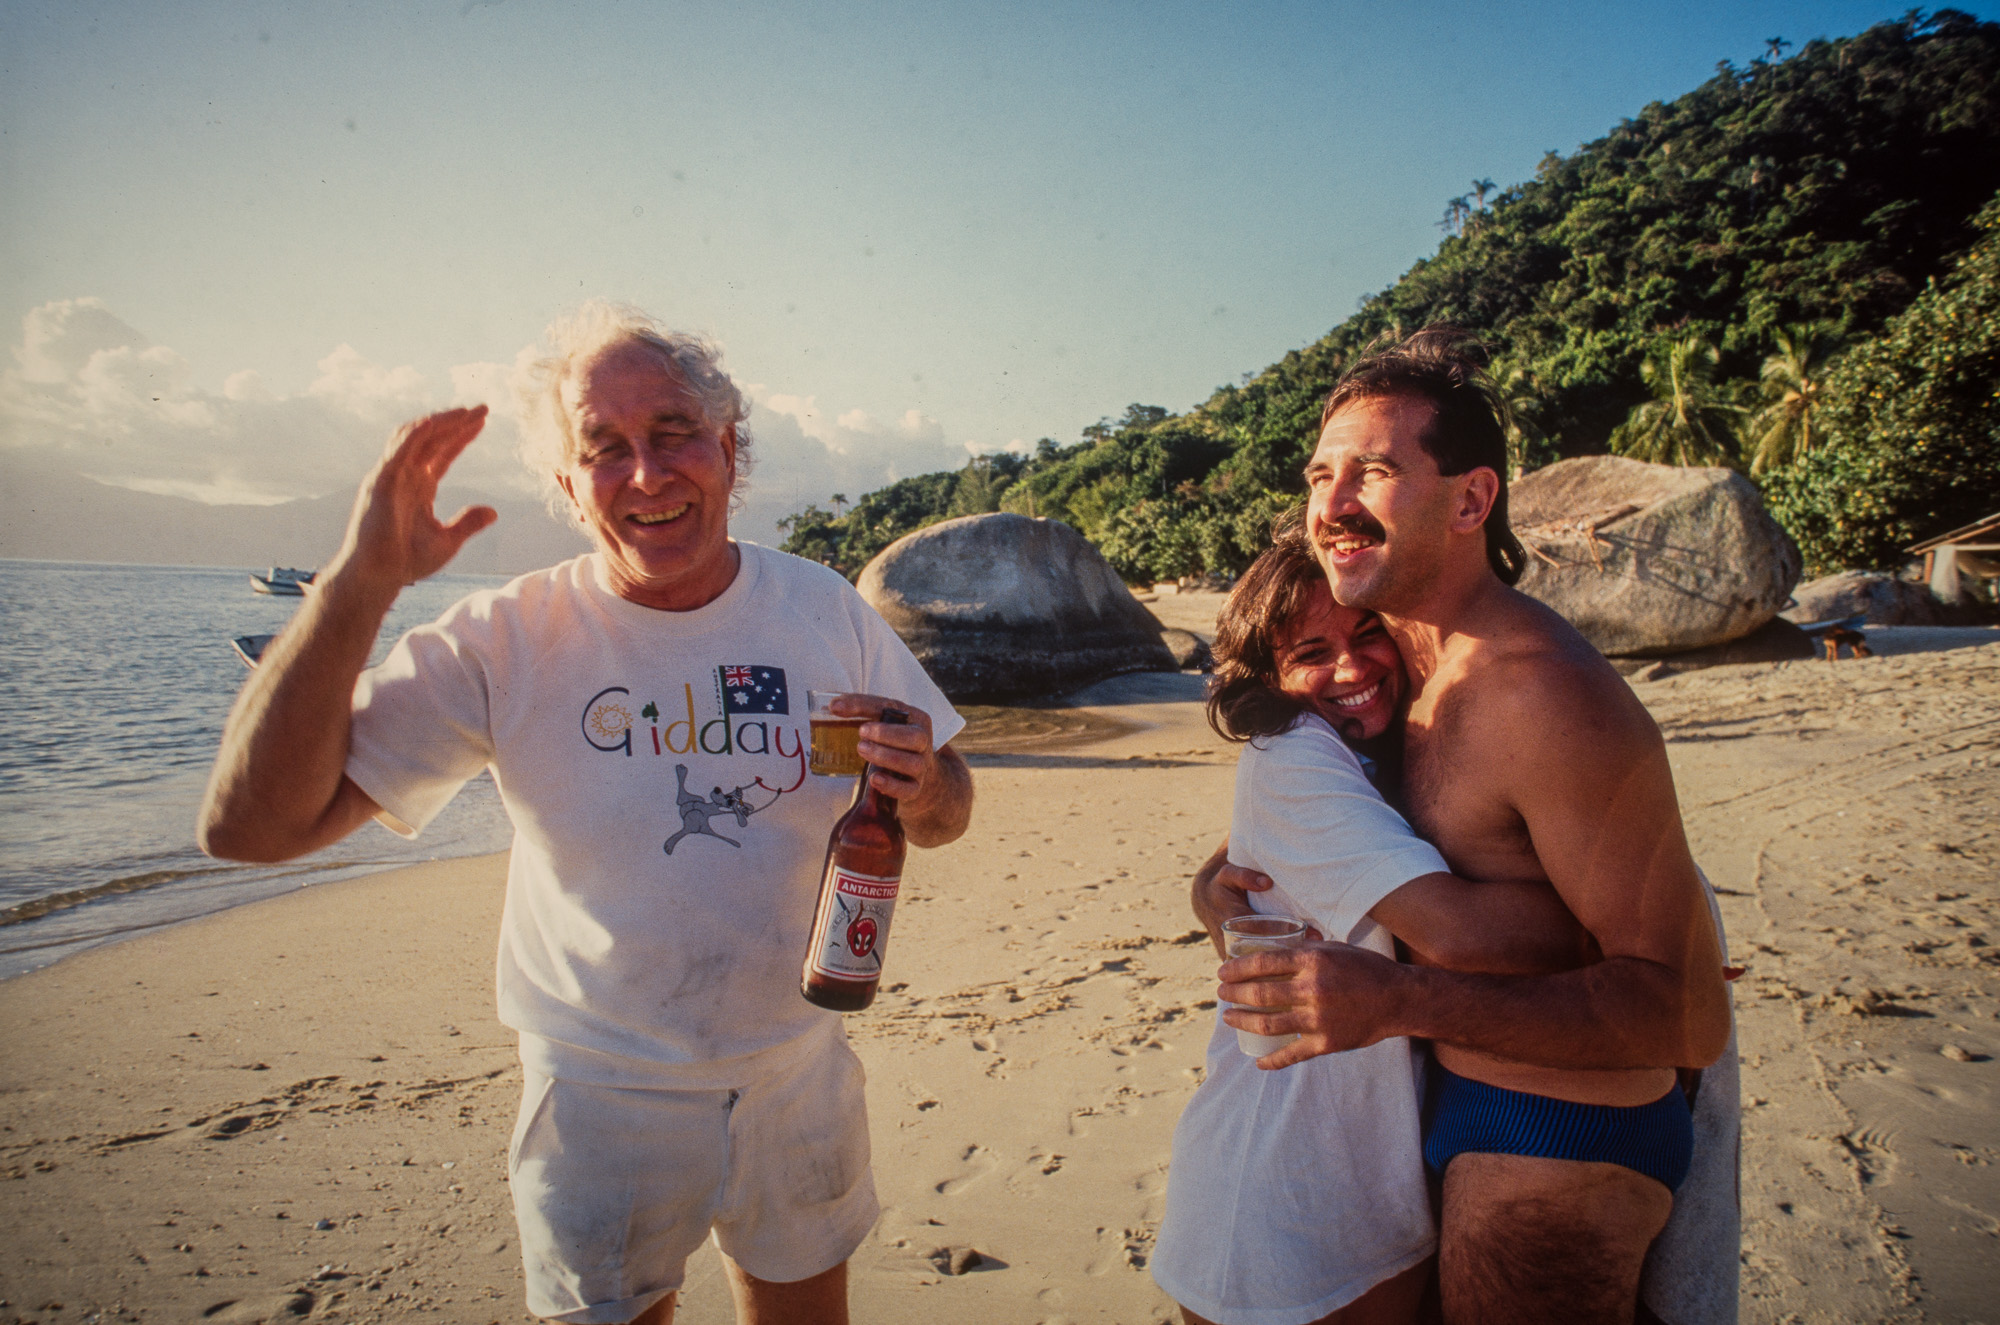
{"type": "Point", "coordinates": [696, 811]}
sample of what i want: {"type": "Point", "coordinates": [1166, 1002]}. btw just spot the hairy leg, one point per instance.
{"type": "Point", "coordinates": [820, 1300]}
{"type": "Point", "coordinates": [1394, 1301]}
{"type": "Point", "coordinates": [1531, 1240]}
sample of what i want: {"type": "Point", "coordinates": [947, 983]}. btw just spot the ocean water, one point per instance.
{"type": "Point", "coordinates": [114, 683]}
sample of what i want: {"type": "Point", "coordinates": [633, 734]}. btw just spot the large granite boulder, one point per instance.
{"type": "Point", "coordinates": [1777, 640]}
{"type": "Point", "coordinates": [1648, 559]}
{"type": "Point", "coordinates": [1882, 599]}
{"type": "Point", "coordinates": [1191, 652]}
{"type": "Point", "coordinates": [1005, 607]}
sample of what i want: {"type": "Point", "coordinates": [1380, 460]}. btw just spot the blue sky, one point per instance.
{"type": "Point", "coordinates": [915, 228]}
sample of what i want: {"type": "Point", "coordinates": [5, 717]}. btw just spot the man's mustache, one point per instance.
{"type": "Point", "coordinates": [1357, 525]}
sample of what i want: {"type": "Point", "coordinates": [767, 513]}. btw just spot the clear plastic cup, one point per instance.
{"type": "Point", "coordinates": [836, 741]}
{"type": "Point", "coordinates": [1261, 933]}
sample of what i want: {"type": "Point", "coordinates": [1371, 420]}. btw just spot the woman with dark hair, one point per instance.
{"type": "Point", "coordinates": [1298, 1195]}
{"type": "Point", "coordinates": [1264, 654]}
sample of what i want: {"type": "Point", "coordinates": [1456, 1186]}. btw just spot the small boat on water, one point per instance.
{"type": "Point", "coordinates": [282, 580]}
{"type": "Point", "coordinates": [250, 648]}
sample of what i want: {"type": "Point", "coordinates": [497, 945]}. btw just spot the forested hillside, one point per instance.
{"type": "Point", "coordinates": [1738, 257]}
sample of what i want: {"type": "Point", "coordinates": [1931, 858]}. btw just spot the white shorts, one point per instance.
{"type": "Point", "coordinates": [615, 1188]}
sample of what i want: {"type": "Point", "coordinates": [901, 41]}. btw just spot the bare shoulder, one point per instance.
{"type": "Point", "coordinates": [1543, 688]}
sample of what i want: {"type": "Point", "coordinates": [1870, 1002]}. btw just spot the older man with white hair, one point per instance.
{"type": "Point", "coordinates": [676, 1083]}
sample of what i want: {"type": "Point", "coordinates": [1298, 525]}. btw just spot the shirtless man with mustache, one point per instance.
{"type": "Point", "coordinates": [1557, 1128]}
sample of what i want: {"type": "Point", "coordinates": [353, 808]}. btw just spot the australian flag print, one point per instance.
{"type": "Point", "coordinates": [759, 690]}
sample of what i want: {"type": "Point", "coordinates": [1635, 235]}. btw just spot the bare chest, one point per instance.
{"type": "Point", "coordinates": [1457, 794]}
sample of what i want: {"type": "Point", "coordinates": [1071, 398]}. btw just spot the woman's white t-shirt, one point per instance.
{"type": "Point", "coordinates": [1294, 1192]}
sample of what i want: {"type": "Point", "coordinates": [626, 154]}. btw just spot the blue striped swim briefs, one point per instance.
{"type": "Point", "coordinates": [1655, 1139]}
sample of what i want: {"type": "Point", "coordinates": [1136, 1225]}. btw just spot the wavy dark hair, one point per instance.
{"type": "Point", "coordinates": [1243, 696]}
{"type": "Point", "coordinates": [1444, 366]}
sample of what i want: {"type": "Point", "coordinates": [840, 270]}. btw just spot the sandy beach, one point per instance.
{"type": "Point", "coordinates": [302, 1107]}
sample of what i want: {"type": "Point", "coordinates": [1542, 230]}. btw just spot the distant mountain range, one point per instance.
{"type": "Point", "coordinates": [50, 514]}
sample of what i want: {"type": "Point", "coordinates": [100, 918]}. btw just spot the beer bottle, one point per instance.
{"type": "Point", "coordinates": [857, 896]}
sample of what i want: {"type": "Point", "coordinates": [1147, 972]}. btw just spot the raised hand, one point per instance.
{"type": "Point", "coordinates": [279, 788]}
{"type": "Point", "coordinates": [394, 537]}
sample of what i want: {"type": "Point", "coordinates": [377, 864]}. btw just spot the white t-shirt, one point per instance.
{"type": "Point", "coordinates": [1294, 1192]}
{"type": "Point", "coordinates": [668, 837]}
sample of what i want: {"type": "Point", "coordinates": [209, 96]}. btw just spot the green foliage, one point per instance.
{"type": "Point", "coordinates": [1528, 443]}
{"type": "Point", "coordinates": [1154, 540]}
{"type": "Point", "coordinates": [980, 487]}
{"type": "Point", "coordinates": [847, 542]}
{"type": "Point", "coordinates": [1784, 428]}
{"type": "Point", "coordinates": [1912, 420]}
{"type": "Point", "coordinates": [813, 534]}
{"type": "Point", "coordinates": [1829, 186]}
{"type": "Point", "coordinates": [1691, 419]}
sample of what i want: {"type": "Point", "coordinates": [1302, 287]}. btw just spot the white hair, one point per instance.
{"type": "Point", "coordinates": [548, 443]}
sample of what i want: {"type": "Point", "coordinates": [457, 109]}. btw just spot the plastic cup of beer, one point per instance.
{"type": "Point", "coordinates": [836, 742]}
{"type": "Point", "coordinates": [1261, 933]}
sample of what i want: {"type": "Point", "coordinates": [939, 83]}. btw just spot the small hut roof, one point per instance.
{"type": "Point", "coordinates": [1989, 525]}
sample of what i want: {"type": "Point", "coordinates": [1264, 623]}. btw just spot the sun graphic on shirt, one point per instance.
{"type": "Point", "coordinates": [611, 721]}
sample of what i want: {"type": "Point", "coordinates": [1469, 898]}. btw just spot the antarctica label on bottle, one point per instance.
{"type": "Point", "coordinates": [857, 931]}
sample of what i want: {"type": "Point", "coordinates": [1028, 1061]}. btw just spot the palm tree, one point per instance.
{"type": "Point", "coordinates": [1522, 391]}
{"type": "Point", "coordinates": [1690, 420]}
{"type": "Point", "coordinates": [976, 492]}
{"type": "Point", "coordinates": [1782, 431]}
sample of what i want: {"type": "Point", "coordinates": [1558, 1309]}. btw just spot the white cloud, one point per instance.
{"type": "Point", "coordinates": [58, 339]}
{"type": "Point", "coordinates": [489, 383]}
{"type": "Point", "coordinates": [853, 447]}
{"type": "Point", "coordinates": [806, 453]}
{"type": "Point", "coordinates": [124, 388]}
{"type": "Point", "coordinates": [245, 385]}
{"type": "Point", "coordinates": [127, 412]}
{"type": "Point", "coordinates": [1015, 447]}
{"type": "Point", "coordinates": [353, 384]}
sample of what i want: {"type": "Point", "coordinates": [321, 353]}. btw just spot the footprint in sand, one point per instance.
{"type": "Point", "coordinates": [1128, 1248]}
{"type": "Point", "coordinates": [1040, 1164]}
{"type": "Point", "coordinates": [1106, 1256]}
{"type": "Point", "coordinates": [976, 1163]}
